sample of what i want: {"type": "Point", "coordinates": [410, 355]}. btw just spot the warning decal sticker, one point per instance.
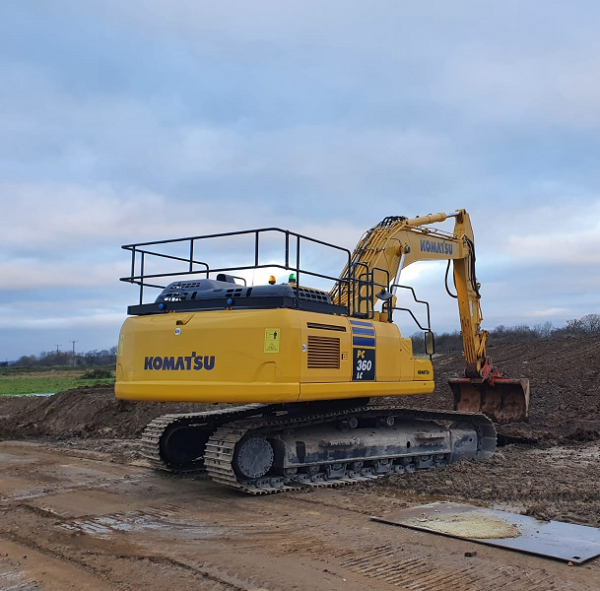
{"type": "Point", "coordinates": [272, 339]}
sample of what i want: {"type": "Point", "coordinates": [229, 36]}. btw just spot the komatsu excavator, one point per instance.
{"type": "Point", "coordinates": [316, 374]}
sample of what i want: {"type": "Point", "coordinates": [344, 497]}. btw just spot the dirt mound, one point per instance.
{"type": "Point", "coordinates": [565, 388]}
{"type": "Point", "coordinates": [565, 399]}
{"type": "Point", "coordinates": [85, 412]}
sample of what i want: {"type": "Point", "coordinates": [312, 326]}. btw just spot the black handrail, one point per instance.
{"type": "Point", "coordinates": [150, 249]}
{"type": "Point", "coordinates": [428, 328]}
{"type": "Point", "coordinates": [236, 233]}
{"type": "Point", "coordinates": [355, 283]}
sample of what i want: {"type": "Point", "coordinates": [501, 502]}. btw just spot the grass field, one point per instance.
{"type": "Point", "coordinates": [23, 381]}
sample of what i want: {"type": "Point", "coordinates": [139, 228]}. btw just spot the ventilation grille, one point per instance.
{"type": "Point", "coordinates": [305, 293]}
{"type": "Point", "coordinates": [185, 285]}
{"type": "Point", "coordinates": [179, 292]}
{"type": "Point", "coordinates": [237, 291]}
{"type": "Point", "coordinates": [326, 326]}
{"type": "Point", "coordinates": [323, 353]}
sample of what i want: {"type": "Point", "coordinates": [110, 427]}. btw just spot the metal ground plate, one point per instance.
{"type": "Point", "coordinates": [551, 539]}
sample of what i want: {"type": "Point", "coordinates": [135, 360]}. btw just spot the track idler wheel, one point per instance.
{"type": "Point", "coordinates": [253, 457]}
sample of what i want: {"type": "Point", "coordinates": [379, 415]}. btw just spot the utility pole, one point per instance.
{"type": "Point", "coordinates": [73, 350]}
{"type": "Point", "coordinates": [57, 346]}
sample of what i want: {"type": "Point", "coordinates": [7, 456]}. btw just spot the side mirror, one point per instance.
{"type": "Point", "coordinates": [385, 295]}
{"type": "Point", "coordinates": [429, 343]}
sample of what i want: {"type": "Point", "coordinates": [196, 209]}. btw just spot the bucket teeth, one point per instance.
{"type": "Point", "coordinates": [504, 400]}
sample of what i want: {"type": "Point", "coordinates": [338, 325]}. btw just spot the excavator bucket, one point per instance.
{"type": "Point", "coordinates": [504, 400]}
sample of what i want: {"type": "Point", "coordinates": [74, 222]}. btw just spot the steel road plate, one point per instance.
{"type": "Point", "coordinates": [552, 539]}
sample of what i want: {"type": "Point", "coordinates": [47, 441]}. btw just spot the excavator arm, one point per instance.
{"type": "Point", "coordinates": [379, 258]}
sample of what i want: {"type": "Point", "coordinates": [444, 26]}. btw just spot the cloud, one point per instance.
{"type": "Point", "coordinates": [555, 88]}
{"type": "Point", "coordinates": [24, 274]}
{"type": "Point", "coordinates": [566, 232]}
{"type": "Point", "coordinates": [70, 219]}
{"type": "Point", "coordinates": [300, 151]}
{"type": "Point", "coordinates": [74, 323]}
{"type": "Point", "coordinates": [571, 248]}
{"type": "Point", "coordinates": [143, 120]}
{"type": "Point", "coordinates": [548, 313]}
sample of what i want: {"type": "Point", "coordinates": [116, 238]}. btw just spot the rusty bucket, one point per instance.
{"type": "Point", "coordinates": [504, 400]}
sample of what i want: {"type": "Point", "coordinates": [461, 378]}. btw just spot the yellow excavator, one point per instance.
{"type": "Point", "coordinates": [315, 373]}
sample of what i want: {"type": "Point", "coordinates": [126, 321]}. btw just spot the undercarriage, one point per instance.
{"type": "Point", "coordinates": [262, 449]}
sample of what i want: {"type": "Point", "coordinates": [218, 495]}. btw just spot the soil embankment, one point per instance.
{"type": "Point", "coordinates": [86, 412]}
{"type": "Point", "coordinates": [565, 388]}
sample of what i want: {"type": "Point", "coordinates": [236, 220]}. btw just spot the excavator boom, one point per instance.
{"type": "Point", "coordinates": [396, 242]}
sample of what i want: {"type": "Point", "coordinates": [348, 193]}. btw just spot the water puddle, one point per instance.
{"type": "Point", "coordinates": [34, 394]}
{"type": "Point", "coordinates": [583, 455]}
{"type": "Point", "coordinates": [106, 526]}
{"type": "Point", "coordinates": [6, 459]}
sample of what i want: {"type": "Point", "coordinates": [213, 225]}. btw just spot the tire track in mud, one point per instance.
{"type": "Point", "coordinates": [103, 574]}
{"type": "Point", "coordinates": [112, 527]}
{"type": "Point", "coordinates": [416, 574]}
{"type": "Point", "coordinates": [59, 556]}
{"type": "Point", "coordinates": [59, 548]}
{"type": "Point", "coordinates": [13, 579]}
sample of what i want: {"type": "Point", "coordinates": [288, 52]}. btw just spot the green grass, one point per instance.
{"type": "Point", "coordinates": [25, 381]}
{"type": "Point", "coordinates": [14, 370]}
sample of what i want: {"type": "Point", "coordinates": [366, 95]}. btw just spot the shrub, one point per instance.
{"type": "Point", "coordinates": [97, 374]}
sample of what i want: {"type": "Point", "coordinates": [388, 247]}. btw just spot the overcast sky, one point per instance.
{"type": "Point", "coordinates": [124, 121]}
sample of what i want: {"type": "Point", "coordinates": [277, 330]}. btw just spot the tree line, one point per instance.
{"type": "Point", "coordinates": [93, 358]}
{"type": "Point", "coordinates": [451, 342]}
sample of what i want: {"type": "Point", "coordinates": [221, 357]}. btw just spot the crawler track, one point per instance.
{"type": "Point", "coordinates": [200, 426]}
{"type": "Point", "coordinates": [221, 448]}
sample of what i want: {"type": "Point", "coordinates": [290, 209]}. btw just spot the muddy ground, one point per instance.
{"type": "Point", "coordinates": [80, 509]}
{"type": "Point", "coordinates": [77, 519]}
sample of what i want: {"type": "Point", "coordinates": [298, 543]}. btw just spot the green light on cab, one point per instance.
{"type": "Point", "coordinates": [292, 278]}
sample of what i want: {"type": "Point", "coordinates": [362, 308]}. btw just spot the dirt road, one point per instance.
{"type": "Point", "coordinates": [73, 518]}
